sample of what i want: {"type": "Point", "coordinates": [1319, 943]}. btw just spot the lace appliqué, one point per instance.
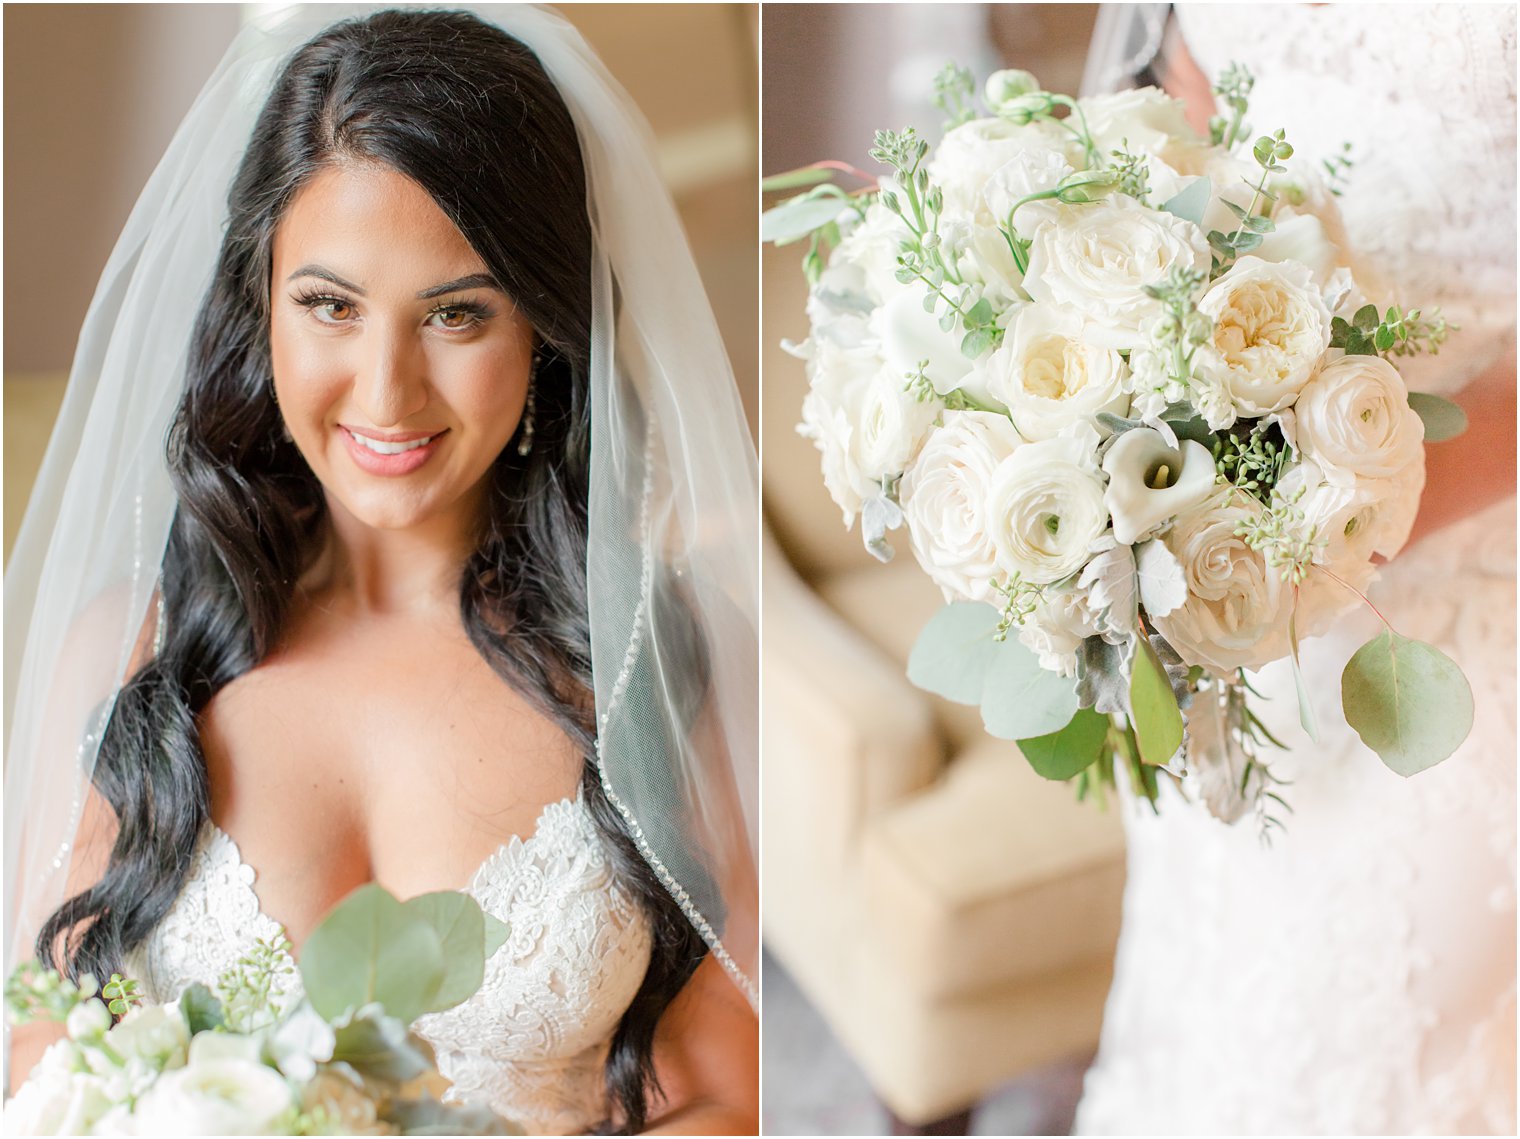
{"type": "Point", "coordinates": [532, 1042]}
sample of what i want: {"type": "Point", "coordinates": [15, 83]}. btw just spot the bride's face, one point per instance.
{"type": "Point", "coordinates": [400, 366]}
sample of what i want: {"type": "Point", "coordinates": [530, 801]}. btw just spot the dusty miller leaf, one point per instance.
{"type": "Point", "coordinates": [1109, 581]}
{"type": "Point", "coordinates": [1103, 675]}
{"type": "Point", "coordinates": [1163, 586]}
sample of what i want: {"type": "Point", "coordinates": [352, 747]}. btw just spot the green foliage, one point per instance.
{"type": "Point", "coordinates": [1278, 532]}
{"type": "Point", "coordinates": [1232, 91]}
{"type": "Point", "coordinates": [121, 994]}
{"type": "Point", "coordinates": [1306, 715]}
{"type": "Point", "coordinates": [802, 216]}
{"type": "Point", "coordinates": [1397, 333]}
{"type": "Point", "coordinates": [1442, 419]}
{"type": "Point", "coordinates": [200, 1008]}
{"type": "Point", "coordinates": [954, 87]}
{"type": "Point", "coordinates": [1154, 714]}
{"type": "Point", "coordinates": [959, 657]}
{"type": "Point", "coordinates": [796, 179]}
{"type": "Point", "coordinates": [1269, 151]}
{"type": "Point", "coordinates": [1192, 203]}
{"type": "Point", "coordinates": [1132, 174]}
{"type": "Point", "coordinates": [1407, 700]}
{"type": "Point", "coordinates": [1067, 753]}
{"type": "Point", "coordinates": [1337, 169]}
{"type": "Point", "coordinates": [1182, 329]}
{"type": "Point", "coordinates": [460, 926]}
{"type": "Point", "coordinates": [371, 949]}
{"type": "Point", "coordinates": [1252, 457]}
{"type": "Point", "coordinates": [33, 993]}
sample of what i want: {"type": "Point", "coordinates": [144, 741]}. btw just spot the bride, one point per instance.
{"type": "Point", "coordinates": [1359, 974]}
{"type": "Point", "coordinates": [436, 587]}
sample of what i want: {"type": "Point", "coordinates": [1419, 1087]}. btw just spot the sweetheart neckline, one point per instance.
{"type": "Point", "coordinates": [576, 802]}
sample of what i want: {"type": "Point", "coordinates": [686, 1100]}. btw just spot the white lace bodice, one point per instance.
{"type": "Point", "coordinates": [1358, 976]}
{"type": "Point", "coordinates": [532, 1042]}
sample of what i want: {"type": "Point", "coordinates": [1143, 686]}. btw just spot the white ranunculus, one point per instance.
{"type": "Point", "coordinates": [1150, 481]}
{"type": "Point", "coordinates": [217, 1097]}
{"type": "Point", "coordinates": [863, 421]}
{"type": "Point", "coordinates": [1140, 120]}
{"type": "Point", "coordinates": [1096, 260]}
{"type": "Point", "coordinates": [944, 496]}
{"type": "Point", "coordinates": [968, 156]}
{"type": "Point", "coordinates": [1236, 612]}
{"type": "Point", "coordinates": [1045, 506]}
{"type": "Point", "coordinates": [1056, 629]}
{"type": "Point", "coordinates": [155, 1034]}
{"type": "Point", "coordinates": [1354, 421]}
{"type": "Point", "coordinates": [1271, 329]}
{"type": "Point", "coordinates": [1050, 378]}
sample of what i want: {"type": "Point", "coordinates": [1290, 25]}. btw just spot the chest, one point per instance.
{"type": "Point", "coordinates": [387, 753]}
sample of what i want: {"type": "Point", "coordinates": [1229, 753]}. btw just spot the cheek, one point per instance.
{"type": "Point", "coordinates": [308, 370]}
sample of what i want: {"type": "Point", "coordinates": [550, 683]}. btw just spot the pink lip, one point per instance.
{"type": "Point", "coordinates": [392, 465]}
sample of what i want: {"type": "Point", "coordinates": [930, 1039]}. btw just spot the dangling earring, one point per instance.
{"type": "Point", "coordinates": [525, 427]}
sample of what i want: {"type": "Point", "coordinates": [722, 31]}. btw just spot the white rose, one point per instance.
{"type": "Point", "coordinates": [1096, 260]}
{"type": "Point", "coordinates": [862, 419]}
{"type": "Point", "coordinates": [155, 1034]}
{"type": "Point", "coordinates": [217, 1097]}
{"type": "Point", "coordinates": [1045, 506]}
{"type": "Point", "coordinates": [1236, 612]}
{"type": "Point", "coordinates": [1150, 481]}
{"type": "Point", "coordinates": [944, 494]}
{"type": "Point", "coordinates": [1354, 421]}
{"type": "Point", "coordinates": [1271, 328]}
{"type": "Point", "coordinates": [1141, 120]}
{"type": "Point", "coordinates": [1030, 172]}
{"type": "Point", "coordinates": [968, 156]}
{"type": "Point", "coordinates": [56, 1099]}
{"type": "Point", "coordinates": [1057, 628]}
{"type": "Point", "coordinates": [1050, 378]}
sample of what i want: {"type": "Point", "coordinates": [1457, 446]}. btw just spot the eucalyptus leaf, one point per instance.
{"type": "Point", "coordinates": [1067, 753]}
{"type": "Point", "coordinates": [1443, 419]}
{"type": "Point", "coordinates": [1192, 203]}
{"type": "Point", "coordinates": [200, 1008]}
{"type": "Point", "coordinates": [1366, 318]}
{"type": "Point", "coordinates": [798, 217]}
{"type": "Point", "coordinates": [954, 652]}
{"type": "Point", "coordinates": [796, 179]}
{"type": "Point", "coordinates": [430, 1117]}
{"type": "Point", "coordinates": [370, 949]}
{"type": "Point", "coordinates": [497, 932]}
{"type": "Point", "coordinates": [1407, 700]}
{"type": "Point", "coordinates": [1305, 704]}
{"type": "Point", "coordinates": [456, 919]}
{"type": "Point", "coordinates": [1020, 699]}
{"type": "Point", "coordinates": [977, 342]}
{"type": "Point", "coordinates": [1155, 716]}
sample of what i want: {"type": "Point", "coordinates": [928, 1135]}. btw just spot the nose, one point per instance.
{"type": "Point", "coordinates": [390, 384]}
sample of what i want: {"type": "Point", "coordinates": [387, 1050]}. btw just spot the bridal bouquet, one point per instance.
{"type": "Point", "coordinates": [243, 1058]}
{"type": "Point", "coordinates": [1121, 386]}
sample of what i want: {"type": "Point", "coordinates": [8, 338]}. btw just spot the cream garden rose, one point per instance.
{"type": "Point", "coordinates": [215, 1097]}
{"type": "Point", "coordinates": [1271, 329]}
{"type": "Point", "coordinates": [1096, 259]}
{"type": "Point", "coordinates": [944, 497]}
{"type": "Point", "coordinates": [1045, 507]}
{"type": "Point", "coordinates": [1354, 421]}
{"type": "Point", "coordinates": [1050, 378]}
{"type": "Point", "coordinates": [1236, 611]}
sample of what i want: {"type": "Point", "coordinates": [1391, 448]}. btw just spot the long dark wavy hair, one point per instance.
{"type": "Point", "coordinates": [468, 113]}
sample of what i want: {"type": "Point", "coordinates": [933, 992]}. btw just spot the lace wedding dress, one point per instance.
{"type": "Point", "coordinates": [532, 1042]}
{"type": "Point", "coordinates": [1359, 975]}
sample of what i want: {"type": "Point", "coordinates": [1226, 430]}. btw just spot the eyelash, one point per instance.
{"type": "Point", "coordinates": [477, 312]}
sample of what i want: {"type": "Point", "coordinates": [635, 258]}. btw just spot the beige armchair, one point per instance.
{"type": "Point", "coordinates": [951, 914]}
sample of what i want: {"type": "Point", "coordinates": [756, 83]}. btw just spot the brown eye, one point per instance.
{"type": "Point", "coordinates": [336, 312]}
{"type": "Point", "coordinates": [454, 318]}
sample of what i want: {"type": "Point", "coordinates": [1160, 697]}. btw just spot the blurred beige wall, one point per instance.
{"type": "Point", "coordinates": [93, 93]}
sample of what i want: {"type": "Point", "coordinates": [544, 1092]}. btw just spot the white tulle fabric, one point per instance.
{"type": "Point", "coordinates": [532, 1042]}
{"type": "Point", "coordinates": [1357, 977]}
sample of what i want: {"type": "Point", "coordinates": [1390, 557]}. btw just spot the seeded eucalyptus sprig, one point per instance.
{"type": "Point", "coordinates": [954, 88]}
{"type": "Point", "coordinates": [1252, 461]}
{"type": "Point", "coordinates": [1181, 329]}
{"type": "Point", "coordinates": [1020, 599]}
{"type": "Point", "coordinates": [1233, 91]}
{"type": "Point", "coordinates": [1278, 534]}
{"type": "Point", "coordinates": [1269, 151]}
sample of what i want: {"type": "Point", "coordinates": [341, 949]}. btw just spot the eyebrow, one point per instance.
{"type": "Point", "coordinates": [472, 281]}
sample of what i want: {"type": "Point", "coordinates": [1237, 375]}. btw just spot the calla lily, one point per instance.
{"type": "Point", "coordinates": [1150, 481]}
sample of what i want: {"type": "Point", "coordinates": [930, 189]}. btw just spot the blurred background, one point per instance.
{"type": "Point", "coordinates": [939, 922]}
{"type": "Point", "coordinates": [94, 92]}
